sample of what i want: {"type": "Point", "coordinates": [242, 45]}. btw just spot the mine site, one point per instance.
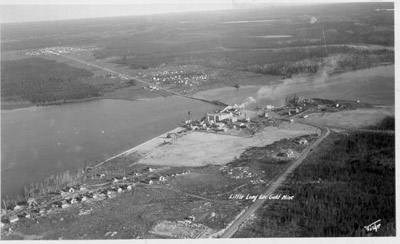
{"type": "Point", "coordinates": [250, 121]}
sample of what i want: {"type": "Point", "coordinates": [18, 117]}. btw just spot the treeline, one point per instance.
{"type": "Point", "coordinates": [388, 123]}
{"type": "Point", "coordinates": [337, 192]}
{"type": "Point", "coordinates": [41, 81]}
{"type": "Point", "coordinates": [309, 61]}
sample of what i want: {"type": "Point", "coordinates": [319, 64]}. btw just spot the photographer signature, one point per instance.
{"type": "Point", "coordinates": [374, 226]}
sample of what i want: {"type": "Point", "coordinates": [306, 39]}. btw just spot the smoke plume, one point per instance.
{"type": "Point", "coordinates": [247, 102]}
{"type": "Point", "coordinates": [276, 94]}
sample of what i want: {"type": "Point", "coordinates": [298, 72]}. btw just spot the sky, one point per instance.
{"type": "Point", "coordinates": [12, 11]}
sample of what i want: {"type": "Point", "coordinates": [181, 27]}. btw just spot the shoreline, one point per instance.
{"type": "Point", "coordinates": [131, 150]}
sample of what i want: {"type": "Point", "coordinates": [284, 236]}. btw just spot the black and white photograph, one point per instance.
{"type": "Point", "coordinates": [230, 120]}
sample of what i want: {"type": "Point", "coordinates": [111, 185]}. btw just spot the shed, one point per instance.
{"type": "Point", "coordinates": [303, 141]}
{"type": "Point", "coordinates": [13, 218]}
{"type": "Point", "coordinates": [286, 153]}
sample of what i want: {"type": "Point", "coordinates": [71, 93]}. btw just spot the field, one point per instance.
{"type": "Point", "coordinates": [187, 53]}
{"type": "Point", "coordinates": [202, 148]}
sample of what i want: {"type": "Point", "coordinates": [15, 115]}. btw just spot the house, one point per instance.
{"type": "Point", "coordinates": [147, 181]}
{"type": "Point", "coordinates": [20, 206]}
{"type": "Point", "coordinates": [269, 107]}
{"type": "Point", "coordinates": [286, 153]}
{"type": "Point", "coordinates": [303, 141]}
{"type": "Point", "coordinates": [25, 215]}
{"type": "Point", "coordinates": [190, 218]}
{"type": "Point", "coordinates": [72, 200]}
{"type": "Point", "coordinates": [64, 204]}
{"type": "Point", "coordinates": [67, 190]}
{"type": "Point", "coordinates": [133, 173]}
{"type": "Point", "coordinates": [13, 218]}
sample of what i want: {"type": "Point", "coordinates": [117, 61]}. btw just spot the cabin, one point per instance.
{"type": "Point", "coordinates": [269, 107]}
{"type": "Point", "coordinates": [13, 218]}
{"type": "Point", "coordinates": [25, 215]}
{"type": "Point", "coordinates": [286, 153]}
{"type": "Point", "coordinates": [147, 181]}
{"type": "Point", "coordinates": [303, 141]}
{"type": "Point", "coordinates": [64, 204]}
{"type": "Point", "coordinates": [67, 190]}
{"type": "Point", "coordinates": [21, 206]}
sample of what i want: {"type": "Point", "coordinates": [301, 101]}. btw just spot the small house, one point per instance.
{"type": "Point", "coordinates": [20, 206]}
{"type": "Point", "coordinates": [303, 141]}
{"type": "Point", "coordinates": [13, 218]}
{"type": "Point", "coordinates": [64, 204]}
{"type": "Point", "coordinates": [269, 107]}
{"type": "Point", "coordinates": [25, 215]}
{"type": "Point", "coordinates": [286, 153]}
{"type": "Point", "coordinates": [191, 218]}
{"type": "Point", "coordinates": [147, 181]}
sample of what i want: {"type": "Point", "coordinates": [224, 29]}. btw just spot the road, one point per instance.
{"type": "Point", "coordinates": [234, 227]}
{"type": "Point", "coordinates": [139, 80]}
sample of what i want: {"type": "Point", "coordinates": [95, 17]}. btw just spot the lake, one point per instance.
{"type": "Point", "coordinates": [37, 142]}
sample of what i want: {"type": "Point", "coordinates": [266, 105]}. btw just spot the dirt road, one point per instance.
{"type": "Point", "coordinates": [273, 186]}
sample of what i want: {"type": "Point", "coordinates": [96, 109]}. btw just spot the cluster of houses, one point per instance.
{"type": "Point", "coordinates": [228, 118]}
{"type": "Point", "coordinates": [178, 78]}
{"type": "Point", "coordinates": [238, 172]}
{"type": "Point", "coordinates": [56, 51]}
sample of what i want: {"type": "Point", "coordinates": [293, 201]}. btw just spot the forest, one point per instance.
{"type": "Point", "coordinates": [346, 185]}
{"type": "Point", "coordinates": [41, 81]}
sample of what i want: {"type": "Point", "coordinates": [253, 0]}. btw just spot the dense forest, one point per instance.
{"type": "Point", "coordinates": [306, 60]}
{"type": "Point", "coordinates": [41, 81]}
{"type": "Point", "coordinates": [347, 184]}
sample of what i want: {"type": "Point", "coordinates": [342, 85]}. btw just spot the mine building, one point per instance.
{"type": "Point", "coordinates": [217, 117]}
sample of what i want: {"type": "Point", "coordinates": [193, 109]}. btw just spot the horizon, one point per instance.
{"type": "Point", "coordinates": [39, 12]}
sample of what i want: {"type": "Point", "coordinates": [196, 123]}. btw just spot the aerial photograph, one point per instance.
{"type": "Point", "coordinates": [197, 119]}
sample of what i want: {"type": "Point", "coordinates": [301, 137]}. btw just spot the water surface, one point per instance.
{"type": "Point", "coordinates": [39, 141]}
